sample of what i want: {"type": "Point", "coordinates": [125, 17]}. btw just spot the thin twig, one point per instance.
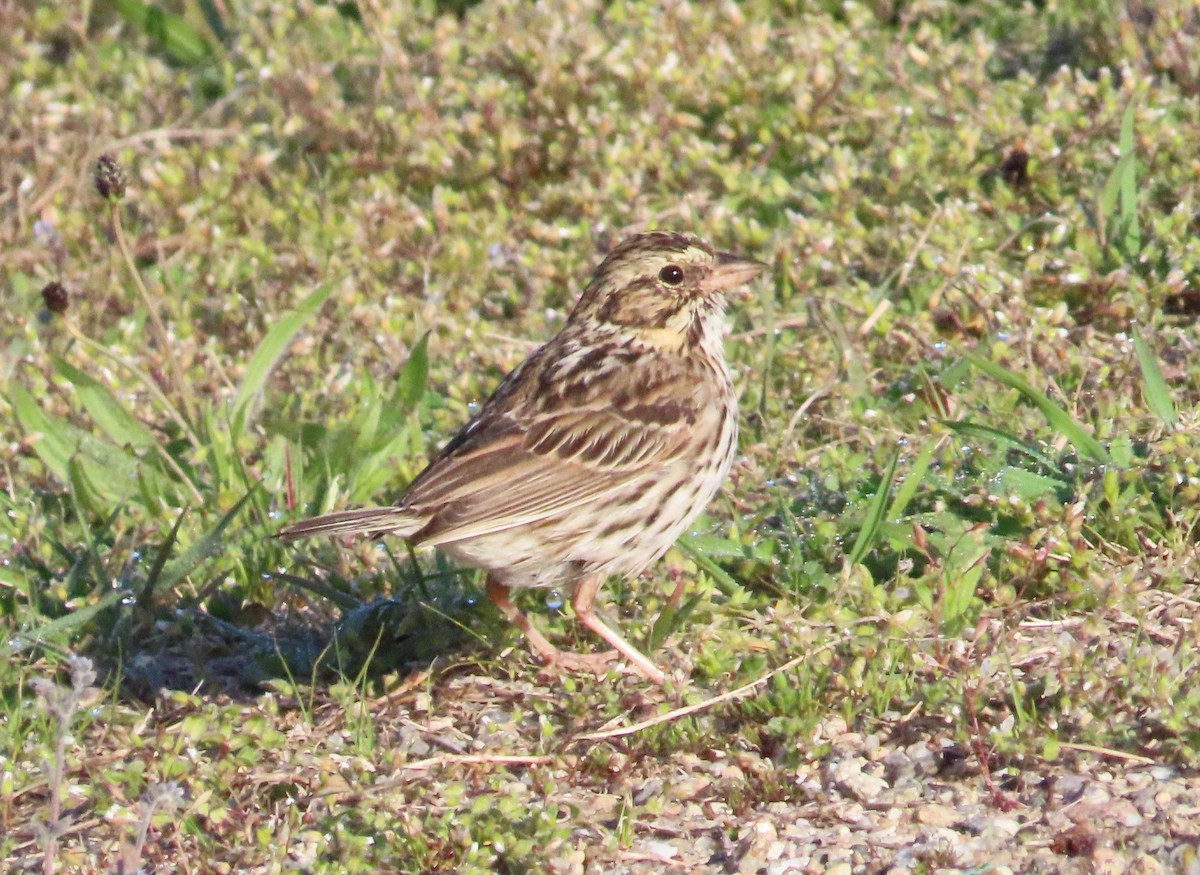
{"type": "Point", "coordinates": [171, 134]}
{"type": "Point", "coordinates": [688, 710]}
{"type": "Point", "coordinates": [907, 265]}
{"type": "Point", "coordinates": [454, 759]}
{"type": "Point", "coordinates": [803, 409]}
{"type": "Point", "coordinates": [1107, 752]}
{"type": "Point", "coordinates": [160, 329]}
{"type": "Point", "coordinates": [446, 759]}
{"type": "Point", "coordinates": [878, 313]}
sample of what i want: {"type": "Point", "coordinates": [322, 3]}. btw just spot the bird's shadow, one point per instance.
{"type": "Point", "coordinates": [314, 633]}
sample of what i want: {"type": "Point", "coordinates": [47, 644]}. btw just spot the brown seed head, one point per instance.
{"type": "Point", "coordinates": [55, 297]}
{"type": "Point", "coordinates": [110, 178]}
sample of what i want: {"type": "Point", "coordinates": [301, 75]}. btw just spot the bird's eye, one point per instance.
{"type": "Point", "coordinates": [672, 274]}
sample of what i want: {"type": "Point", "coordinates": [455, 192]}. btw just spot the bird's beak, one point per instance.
{"type": "Point", "coordinates": [732, 272]}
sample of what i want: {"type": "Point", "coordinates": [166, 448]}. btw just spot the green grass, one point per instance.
{"type": "Point", "coordinates": [969, 455]}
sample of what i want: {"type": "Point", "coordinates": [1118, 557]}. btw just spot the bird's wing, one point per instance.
{"type": "Point", "coordinates": [520, 462]}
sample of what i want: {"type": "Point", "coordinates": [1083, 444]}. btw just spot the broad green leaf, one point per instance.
{"type": "Point", "coordinates": [177, 37]}
{"type": "Point", "coordinates": [1058, 418]}
{"type": "Point", "coordinates": [721, 548]}
{"type": "Point", "coordinates": [1156, 391]}
{"type": "Point", "coordinates": [1121, 449]}
{"type": "Point", "coordinates": [961, 584]}
{"type": "Point", "coordinates": [103, 469]}
{"type": "Point", "coordinates": [97, 496]}
{"type": "Point", "coordinates": [1028, 485]}
{"type": "Point", "coordinates": [923, 594]}
{"type": "Point", "coordinates": [955, 373]}
{"type": "Point", "coordinates": [373, 471]}
{"type": "Point", "coordinates": [366, 425]}
{"type": "Point", "coordinates": [415, 373]}
{"type": "Point", "coordinates": [112, 468]}
{"type": "Point", "coordinates": [53, 443]}
{"type": "Point", "coordinates": [898, 533]}
{"type": "Point", "coordinates": [113, 419]}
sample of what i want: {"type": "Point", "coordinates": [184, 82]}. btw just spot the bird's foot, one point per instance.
{"type": "Point", "coordinates": [565, 660]}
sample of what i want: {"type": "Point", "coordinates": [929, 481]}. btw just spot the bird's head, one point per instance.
{"type": "Point", "coordinates": [667, 289]}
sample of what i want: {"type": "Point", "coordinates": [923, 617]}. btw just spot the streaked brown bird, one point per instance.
{"type": "Point", "coordinates": [597, 452]}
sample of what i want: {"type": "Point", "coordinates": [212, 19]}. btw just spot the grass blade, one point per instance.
{"type": "Point", "coordinates": [1156, 391]}
{"type": "Point", "coordinates": [53, 628]}
{"type": "Point", "coordinates": [1131, 232]}
{"type": "Point", "coordinates": [209, 545]}
{"type": "Point", "coordinates": [907, 489]}
{"type": "Point", "coordinates": [876, 513]}
{"type": "Point", "coordinates": [1058, 418]}
{"type": "Point", "coordinates": [722, 578]}
{"type": "Point", "coordinates": [995, 435]}
{"type": "Point", "coordinates": [269, 351]}
{"type": "Point", "coordinates": [160, 561]}
{"type": "Point", "coordinates": [344, 601]}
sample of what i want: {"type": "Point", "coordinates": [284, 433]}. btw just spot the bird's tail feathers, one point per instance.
{"type": "Point", "coordinates": [372, 521]}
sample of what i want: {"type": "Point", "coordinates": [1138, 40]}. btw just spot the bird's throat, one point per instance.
{"type": "Point", "coordinates": [669, 339]}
